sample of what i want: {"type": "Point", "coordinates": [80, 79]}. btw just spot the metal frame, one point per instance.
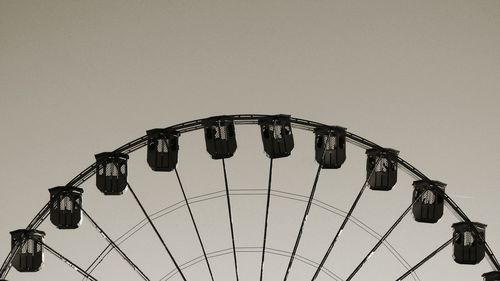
{"type": "Point", "coordinates": [252, 119]}
{"type": "Point", "coordinates": [257, 192]}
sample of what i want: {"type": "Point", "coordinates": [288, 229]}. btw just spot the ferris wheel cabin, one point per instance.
{"type": "Point", "coordinates": [382, 168]}
{"type": "Point", "coordinates": [220, 137]}
{"type": "Point", "coordinates": [330, 149]}
{"type": "Point", "coordinates": [467, 247]}
{"type": "Point", "coordinates": [163, 149]}
{"type": "Point", "coordinates": [30, 256]}
{"type": "Point", "coordinates": [111, 172]}
{"type": "Point", "coordinates": [429, 204]}
{"type": "Point", "coordinates": [277, 137]}
{"type": "Point", "coordinates": [65, 209]}
{"type": "Point", "coordinates": [492, 276]}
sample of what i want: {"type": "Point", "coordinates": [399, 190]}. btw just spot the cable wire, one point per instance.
{"type": "Point", "coordinates": [116, 247]}
{"type": "Point", "coordinates": [372, 251]}
{"type": "Point", "coordinates": [342, 226]}
{"type": "Point", "coordinates": [306, 213]}
{"type": "Point", "coordinates": [230, 219]}
{"type": "Point", "coordinates": [194, 224]}
{"type": "Point", "coordinates": [157, 232]}
{"type": "Point", "coordinates": [426, 259]}
{"type": "Point", "coordinates": [68, 262]}
{"type": "Point", "coordinates": [267, 217]}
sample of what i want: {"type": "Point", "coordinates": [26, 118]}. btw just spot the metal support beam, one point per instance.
{"type": "Point", "coordinates": [268, 200]}
{"type": "Point", "coordinates": [342, 226]}
{"type": "Point", "coordinates": [426, 259]}
{"type": "Point", "coordinates": [194, 224]}
{"type": "Point", "coordinates": [68, 262]}
{"type": "Point", "coordinates": [230, 219]}
{"type": "Point", "coordinates": [157, 232]}
{"type": "Point", "coordinates": [115, 246]}
{"type": "Point", "coordinates": [306, 213]}
{"type": "Point", "coordinates": [372, 251]}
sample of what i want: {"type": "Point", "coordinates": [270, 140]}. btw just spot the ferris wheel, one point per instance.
{"type": "Point", "coordinates": [65, 210]}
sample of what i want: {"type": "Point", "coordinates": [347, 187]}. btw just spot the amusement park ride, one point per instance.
{"type": "Point", "coordinates": [65, 204]}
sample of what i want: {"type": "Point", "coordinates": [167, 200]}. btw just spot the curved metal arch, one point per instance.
{"type": "Point", "coordinates": [252, 192]}
{"type": "Point", "coordinates": [255, 249]}
{"type": "Point", "coordinates": [298, 123]}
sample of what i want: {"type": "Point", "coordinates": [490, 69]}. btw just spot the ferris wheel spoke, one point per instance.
{"type": "Point", "coordinates": [194, 224]}
{"type": "Point", "coordinates": [267, 217]}
{"type": "Point", "coordinates": [99, 259]}
{"type": "Point", "coordinates": [114, 245]}
{"type": "Point", "coordinates": [306, 213]}
{"type": "Point", "coordinates": [157, 232]}
{"type": "Point", "coordinates": [426, 259]}
{"type": "Point", "coordinates": [68, 262]}
{"type": "Point", "coordinates": [7, 264]}
{"type": "Point", "coordinates": [344, 223]}
{"type": "Point", "coordinates": [228, 199]}
{"type": "Point", "coordinates": [17, 249]}
{"type": "Point", "coordinates": [383, 238]}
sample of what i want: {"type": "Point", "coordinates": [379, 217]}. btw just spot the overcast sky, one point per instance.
{"type": "Point", "coordinates": [82, 77]}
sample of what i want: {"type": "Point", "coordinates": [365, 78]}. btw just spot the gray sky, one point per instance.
{"type": "Point", "coordinates": [82, 77]}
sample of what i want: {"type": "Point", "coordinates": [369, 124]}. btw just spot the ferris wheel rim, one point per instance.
{"type": "Point", "coordinates": [279, 194]}
{"type": "Point", "coordinates": [252, 119]}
